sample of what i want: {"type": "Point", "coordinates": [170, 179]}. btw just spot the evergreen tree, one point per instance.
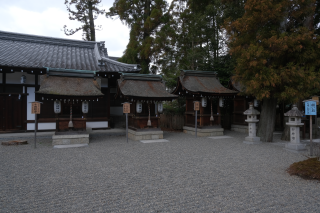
{"type": "Point", "coordinates": [144, 17]}
{"type": "Point", "coordinates": [277, 54]}
{"type": "Point", "coordinates": [85, 11]}
{"type": "Point", "coordinates": [192, 38]}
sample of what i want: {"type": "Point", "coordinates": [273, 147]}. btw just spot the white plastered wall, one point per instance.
{"type": "Point", "coordinates": [97, 124]}
{"type": "Point", "coordinates": [42, 126]}
{"type": "Point", "coordinates": [15, 78]}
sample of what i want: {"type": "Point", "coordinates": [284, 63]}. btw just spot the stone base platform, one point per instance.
{"type": "Point", "coordinates": [240, 128]}
{"type": "Point", "coordinates": [252, 140]}
{"type": "Point", "coordinates": [67, 139]}
{"type": "Point", "coordinates": [295, 146]}
{"type": "Point", "coordinates": [145, 135]}
{"type": "Point", "coordinates": [203, 132]}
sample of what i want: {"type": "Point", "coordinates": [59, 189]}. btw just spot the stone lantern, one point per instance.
{"type": "Point", "coordinates": [252, 120]}
{"type": "Point", "coordinates": [294, 124]}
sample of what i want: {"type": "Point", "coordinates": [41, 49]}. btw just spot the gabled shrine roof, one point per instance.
{"type": "Point", "coordinates": [143, 86]}
{"type": "Point", "coordinates": [236, 85]}
{"type": "Point", "coordinates": [69, 86]}
{"type": "Point", "coordinates": [32, 51]}
{"type": "Point", "coordinates": [201, 82]}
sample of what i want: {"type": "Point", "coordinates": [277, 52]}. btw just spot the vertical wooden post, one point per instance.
{"type": "Point", "coordinates": [36, 82]}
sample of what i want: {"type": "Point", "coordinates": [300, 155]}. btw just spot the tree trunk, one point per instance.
{"type": "Point", "coordinates": [92, 30]}
{"type": "Point", "coordinates": [286, 132]}
{"type": "Point", "coordinates": [267, 119]}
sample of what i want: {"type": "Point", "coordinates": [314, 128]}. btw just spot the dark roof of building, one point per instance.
{"type": "Point", "coordinates": [69, 86]}
{"type": "Point", "coordinates": [143, 86]}
{"type": "Point", "coordinates": [201, 82]}
{"type": "Point", "coordinates": [236, 85]}
{"type": "Point", "coordinates": [32, 51]}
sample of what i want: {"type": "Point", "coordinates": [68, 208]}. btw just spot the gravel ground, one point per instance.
{"type": "Point", "coordinates": [187, 174]}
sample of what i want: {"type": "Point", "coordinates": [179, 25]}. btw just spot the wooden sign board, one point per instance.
{"type": "Point", "coordinates": [196, 105]}
{"type": "Point", "coordinates": [126, 108]}
{"type": "Point", "coordinates": [316, 98]}
{"type": "Point", "coordinates": [35, 108]}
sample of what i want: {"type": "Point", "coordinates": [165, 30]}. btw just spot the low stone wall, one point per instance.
{"type": "Point", "coordinates": [203, 132]}
{"type": "Point", "coordinates": [144, 135]}
{"type": "Point", "coordinates": [240, 128]}
{"type": "Point", "coordinates": [70, 139]}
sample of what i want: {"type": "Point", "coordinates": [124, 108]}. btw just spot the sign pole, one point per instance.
{"type": "Point", "coordinates": [35, 109]}
{"type": "Point", "coordinates": [196, 121]}
{"type": "Point", "coordinates": [127, 126]}
{"type": "Point", "coordinates": [311, 109]}
{"type": "Point", "coordinates": [196, 108]}
{"type": "Point", "coordinates": [35, 131]}
{"type": "Point", "coordinates": [126, 110]}
{"type": "Point", "coordinates": [311, 144]}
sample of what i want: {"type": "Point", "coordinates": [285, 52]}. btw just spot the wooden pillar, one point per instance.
{"type": "Point", "coordinates": [57, 122]}
{"type": "Point", "coordinates": [4, 81]}
{"type": "Point", "coordinates": [36, 82]}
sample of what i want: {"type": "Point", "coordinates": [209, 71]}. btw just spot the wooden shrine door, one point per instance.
{"type": "Point", "coordinates": [12, 112]}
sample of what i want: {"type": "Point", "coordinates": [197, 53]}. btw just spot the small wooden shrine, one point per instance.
{"type": "Point", "coordinates": [202, 86]}
{"type": "Point", "coordinates": [71, 95]}
{"type": "Point", "coordinates": [145, 93]}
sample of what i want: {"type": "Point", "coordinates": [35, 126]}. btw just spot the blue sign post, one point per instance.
{"type": "Point", "coordinates": [311, 109]}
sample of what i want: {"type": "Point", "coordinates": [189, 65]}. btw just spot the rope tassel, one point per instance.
{"type": "Point", "coordinates": [149, 121]}
{"type": "Point", "coordinates": [70, 122]}
{"type": "Point", "coordinates": [211, 118]}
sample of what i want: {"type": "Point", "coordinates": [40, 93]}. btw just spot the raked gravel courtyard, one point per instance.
{"type": "Point", "coordinates": [186, 174]}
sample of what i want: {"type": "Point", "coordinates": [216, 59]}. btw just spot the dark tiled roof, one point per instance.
{"type": "Point", "coordinates": [143, 86]}
{"type": "Point", "coordinates": [202, 82]}
{"type": "Point", "coordinates": [237, 85]}
{"type": "Point", "coordinates": [69, 86]}
{"type": "Point", "coordinates": [31, 51]}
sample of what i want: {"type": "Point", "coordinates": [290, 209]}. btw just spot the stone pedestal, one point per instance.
{"type": "Point", "coordinates": [203, 132]}
{"type": "Point", "coordinates": [252, 129]}
{"type": "Point", "coordinates": [295, 139]}
{"type": "Point", "coordinates": [70, 139]}
{"type": "Point", "coordinates": [252, 138]}
{"type": "Point", "coordinates": [145, 135]}
{"type": "Point", "coordinates": [295, 123]}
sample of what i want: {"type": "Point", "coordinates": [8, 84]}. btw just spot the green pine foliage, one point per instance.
{"type": "Point", "coordinates": [144, 17]}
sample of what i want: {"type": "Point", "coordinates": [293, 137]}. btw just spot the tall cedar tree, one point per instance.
{"type": "Point", "coordinates": [86, 11]}
{"type": "Point", "coordinates": [277, 54]}
{"type": "Point", "coordinates": [144, 17]}
{"type": "Point", "coordinates": [191, 39]}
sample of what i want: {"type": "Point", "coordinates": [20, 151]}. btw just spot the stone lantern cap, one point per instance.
{"type": "Point", "coordinates": [294, 112]}
{"type": "Point", "coordinates": [251, 111]}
